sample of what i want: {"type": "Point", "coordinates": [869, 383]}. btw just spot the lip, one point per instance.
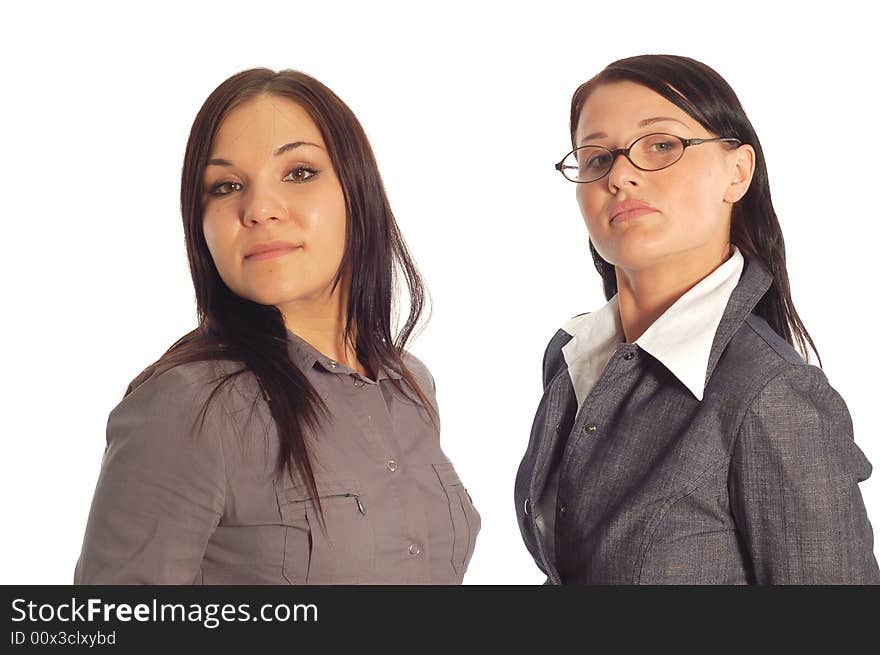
{"type": "Point", "coordinates": [269, 250]}
{"type": "Point", "coordinates": [628, 210]}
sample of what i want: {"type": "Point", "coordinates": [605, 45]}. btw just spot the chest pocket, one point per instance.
{"type": "Point", "coordinates": [341, 551]}
{"type": "Point", "coordinates": [464, 516]}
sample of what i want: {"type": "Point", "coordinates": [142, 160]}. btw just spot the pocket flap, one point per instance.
{"type": "Point", "coordinates": [297, 493]}
{"type": "Point", "coordinates": [447, 474]}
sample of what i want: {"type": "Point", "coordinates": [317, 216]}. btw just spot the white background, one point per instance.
{"type": "Point", "coordinates": [466, 106]}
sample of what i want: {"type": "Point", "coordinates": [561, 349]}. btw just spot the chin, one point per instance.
{"type": "Point", "coordinates": [283, 296]}
{"type": "Point", "coordinates": [266, 296]}
{"type": "Point", "coordinates": [635, 254]}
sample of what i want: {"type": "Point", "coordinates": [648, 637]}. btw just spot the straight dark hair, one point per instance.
{"type": "Point", "coordinates": [233, 328]}
{"type": "Point", "coordinates": [706, 97]}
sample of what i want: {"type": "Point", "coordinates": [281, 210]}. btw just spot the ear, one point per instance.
{"type": "Point", "coordinates": [742, 167]}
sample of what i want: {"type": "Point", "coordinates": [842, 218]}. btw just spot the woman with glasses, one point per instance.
{"type": "Point", "coordinates": [290, 438]}
{"type": "Point", "coordinates": [681, 437]}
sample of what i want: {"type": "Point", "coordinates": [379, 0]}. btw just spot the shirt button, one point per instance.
{"type": "Point", "coordinates": [392, 465]}
{"type": "Point", "coordinates": [414, 549]}
{"type": "Point", "coordinates": [629, 356]}
{"type": "Point", "coordinates": [526, 507]}
{"type": "Point", "coordinates": [590, 427]}
{"type": "Point", "coordinates": [332, 363]}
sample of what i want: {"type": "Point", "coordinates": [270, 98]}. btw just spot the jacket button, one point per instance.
{"type": "Point", "coordinates": [629, 356]}
{"type": "Point", "coordinates": [590, 427]}
{"type": "Point", "coordinates": [558, 428]}
{"type": "Point", "coordinates": [562, 510]}
{"type": "Point", "coordinates": [527, 508]}
{"type": "Point", "coordinates": [392, 465]}
{"type": "Point", "coordinates": [414, 549]}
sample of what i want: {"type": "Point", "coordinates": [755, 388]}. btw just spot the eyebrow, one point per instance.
{"type": "Point", "coordinates": [217, 161]}
{"type": "Point", "coordinates": [642, 123]}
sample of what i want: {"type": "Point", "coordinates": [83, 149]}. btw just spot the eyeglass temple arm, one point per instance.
{"type": "Point", "coordinates": [560, 165]}
{"type": "Point", "coordinates": [696, 142]}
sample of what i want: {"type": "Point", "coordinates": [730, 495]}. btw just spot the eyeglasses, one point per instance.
{"type": "Point", "coordinates": [651, 152]}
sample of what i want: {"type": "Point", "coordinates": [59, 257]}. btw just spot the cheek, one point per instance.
{"type": "Point", "coordinates": [222, 232]}
{"type": "Point", "coordinates": [324, 224]}
{"type": "Point", "coordinates": [694, 201]}
{"type": "Point", "coordinates": [591, 199]}
{"type": "Point", "coordinates": [209, 229]}
{"type": "Point", "coordinates": [218, 237]}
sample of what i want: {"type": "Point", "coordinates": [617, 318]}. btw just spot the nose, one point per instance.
{"type": "Point", "coordinates": [261, 206]}
{"type": "Point", "coordinates": [622, 174]}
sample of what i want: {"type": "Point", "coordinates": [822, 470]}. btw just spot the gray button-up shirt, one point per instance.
{"type": "Point", "coordinates": [754, 482]}
{"type": "Point", "coordinates": [175, 506]}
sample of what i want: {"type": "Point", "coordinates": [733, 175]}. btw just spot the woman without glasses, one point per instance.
{"type": "Point", "coordinates": [289, 438]}
{"type": "Point", "coordinates": [681, 438]}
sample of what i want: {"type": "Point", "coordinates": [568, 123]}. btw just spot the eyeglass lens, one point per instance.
{"type": "Point", "coordinates": [651, 152]}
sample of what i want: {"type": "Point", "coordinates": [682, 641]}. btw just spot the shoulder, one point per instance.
{"type": "Point", "coordinates": [755, 356]}
{"type": "Point", "coordinates": [554, 360]}
{"type": "Point", "coordinates": [419, 370]}
{"type": "Point", "coordinates": [797, 418]}
{"type": "Point", "coordinates": [759, 351]}
{"type": "Point", "coordinates": [165, 428]}
{"type": "Point", "coordinates": [769, 343]}
{"type": "Point", "coordinates": [798, 387]}
{"type": "Point", "coordinates": [799, 393]}
{"type": "Point", "coordinates": [171, 400]}
{"type": "Point", "coordinates": [186, 380]}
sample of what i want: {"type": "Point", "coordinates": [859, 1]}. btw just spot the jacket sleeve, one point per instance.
{"type": "Point", "coordinates": [794, 492]}
{"type": "Point", "coordinates": [161, 487]}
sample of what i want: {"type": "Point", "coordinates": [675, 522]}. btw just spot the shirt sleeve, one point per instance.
{"type": "Point", "coordinates": [794, 490]}
{"type": "Point", "coordinates": [161, 488]}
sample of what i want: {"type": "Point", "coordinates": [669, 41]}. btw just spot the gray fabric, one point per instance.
{"type": "Point", "coordinates": [756, 483]}
{"type": "Point", "coordinates": [173, 506]}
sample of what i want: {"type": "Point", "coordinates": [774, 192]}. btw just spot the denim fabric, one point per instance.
{"type": "Point", "coordinates": [755, 483]}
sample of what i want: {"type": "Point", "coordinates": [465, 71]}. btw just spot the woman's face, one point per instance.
{"type": "Point", "coordinates": [269, 178]}
{"type": "Point", "coordinates": [689, 203]}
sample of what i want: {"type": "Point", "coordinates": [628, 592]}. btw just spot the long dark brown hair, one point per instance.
{"type": "Point", "coordinates": [706, 97]}
{"type": "Point", "coordinates": [233, 328]}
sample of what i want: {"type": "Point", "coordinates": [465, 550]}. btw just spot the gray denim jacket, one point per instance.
{"type": "Point", "coordinates": [755, 483]}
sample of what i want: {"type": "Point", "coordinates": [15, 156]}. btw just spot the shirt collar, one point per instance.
{"type": "Point", "coordinates": [306, 356]}
{"type": "Point", "coordinates": [681, 338]}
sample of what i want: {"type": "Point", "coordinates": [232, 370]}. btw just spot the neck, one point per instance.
{"type": "Point", "coordinates": [644, 294]}
{"type": "Point", "coordinates": [321, 322]}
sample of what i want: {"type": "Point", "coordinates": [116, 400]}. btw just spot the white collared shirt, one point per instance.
{"type": "Point", "coordinates": [681, 339]}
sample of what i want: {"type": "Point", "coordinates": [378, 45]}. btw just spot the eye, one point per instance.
{"type": "Point", "coordinates": [217, 190]}
{"type": "Point", "coordinates": [301, 174]}
{"type": "Point", "coordinates": [662, 146]}
{"type": "Point", "coordinates": [596, 161]}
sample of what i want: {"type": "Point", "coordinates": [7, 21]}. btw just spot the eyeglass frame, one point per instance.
{"type": "Point", "coordinates": [685, 143]}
